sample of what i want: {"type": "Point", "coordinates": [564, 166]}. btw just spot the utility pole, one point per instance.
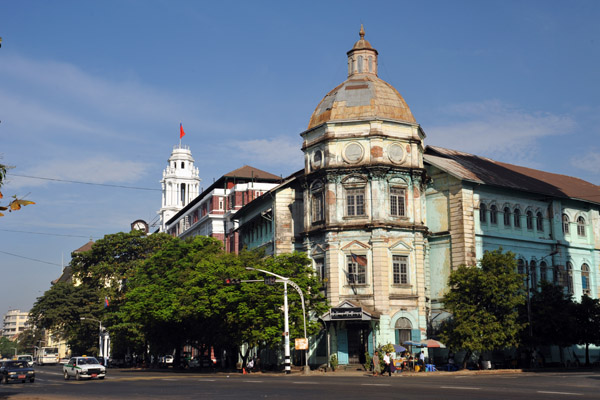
{"type": "Point", "coordinates": [286, 326]}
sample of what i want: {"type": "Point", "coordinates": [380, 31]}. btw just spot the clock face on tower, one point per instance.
{"type": "Point", "coordinates": [139, 225]}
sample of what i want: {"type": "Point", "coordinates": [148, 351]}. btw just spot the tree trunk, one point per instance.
{"type": "Point", "coordinates": [466, 358]}
{"type": "Point", "coordinates": [587, 354]}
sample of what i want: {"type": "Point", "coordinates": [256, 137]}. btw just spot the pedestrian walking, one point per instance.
{"type": "Point", "coordinates": [376, 366]}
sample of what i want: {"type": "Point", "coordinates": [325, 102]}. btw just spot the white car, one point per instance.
{"type": "Point", "coordinates": [84, 367]}
{"type": "Point", "coordinates": [26, 357]}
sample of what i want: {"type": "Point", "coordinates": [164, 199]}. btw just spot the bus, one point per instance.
{"type": "Point", "coordinates": [47, 355]}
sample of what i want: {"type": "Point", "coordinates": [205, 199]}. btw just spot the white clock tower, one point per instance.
{"type": "Point", "coordinates": [180, 183]}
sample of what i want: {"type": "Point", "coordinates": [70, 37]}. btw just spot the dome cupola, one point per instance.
{"type": "Point", "coordinates": [363, 96]}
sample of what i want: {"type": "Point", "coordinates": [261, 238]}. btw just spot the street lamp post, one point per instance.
{"type": "Point", "coordinates": [100, 334]}
{"type": "Point", "coordinates": [286, 326]}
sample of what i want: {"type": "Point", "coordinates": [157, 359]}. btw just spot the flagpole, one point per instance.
{"type": "Point", "coordinates": [180, 134]}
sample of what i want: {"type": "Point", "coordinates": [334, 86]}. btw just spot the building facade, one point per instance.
{"type": "Point", "coordinates": [209, 213]}
{"type": "Point", "coordinates": [386, 219]}
{"type": "Point", "coordinates": [364, 214]}
{"type": "Point", "coordinates": [180, 184]}
{"type": "Point", "coordinates": [14, 323]}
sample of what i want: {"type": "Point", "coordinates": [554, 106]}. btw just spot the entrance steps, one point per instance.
{"type": "Point", "coordinates": [351, 367]}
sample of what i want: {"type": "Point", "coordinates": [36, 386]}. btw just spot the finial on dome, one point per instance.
{"type": "Point", "coordinates": [362, 32]}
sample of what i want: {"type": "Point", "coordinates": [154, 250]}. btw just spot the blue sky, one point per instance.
{"type": "Point", "coordinates": [94, 91]}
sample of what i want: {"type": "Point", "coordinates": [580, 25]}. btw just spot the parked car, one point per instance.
{"type": "Point", "coordinates": [16, 371]}
{"type": "Point", "coordinates": [26, 357]}
{"type": "Point", "coordinates": [166, 360]}
{"type": "Point", "coordinates": [84, 367]}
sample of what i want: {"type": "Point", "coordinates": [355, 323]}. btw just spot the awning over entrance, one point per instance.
{"type": "Point", "coordinates": [349, 311]}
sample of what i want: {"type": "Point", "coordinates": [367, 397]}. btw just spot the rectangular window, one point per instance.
{"type": "Point", "coordinates": [355, 201]}
{"type": "Point", "coordinates": [317, 207]}
{"type": "Point", "coordinates": [400, 270]}
{"type": "Point", "coordinates": [357, 269]}
{"type": "Point", "coordinates": [397, 202]}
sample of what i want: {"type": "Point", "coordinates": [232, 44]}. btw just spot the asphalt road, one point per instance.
{"type": "Point", "coordinates": [137, 384]}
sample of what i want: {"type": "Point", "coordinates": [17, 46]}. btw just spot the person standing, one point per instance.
{"type": "Point", "coordinates": [422, 361]}
{"type": "Point", "coordinates": [386, 367]}
{"type": "Point", "coordinates": [376, 364]}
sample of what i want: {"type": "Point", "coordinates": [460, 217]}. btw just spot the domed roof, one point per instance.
{"type": "Point", "coordinates": [363, 96]}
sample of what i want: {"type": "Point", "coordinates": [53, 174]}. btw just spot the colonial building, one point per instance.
{"type": "Point", "coordinates": [209, 213]}
{"type": "Point", "coordinates": [550, 221]}
{"type": "Point", "coordinates": [364, 214]}
{"type": "Point", "coordinates": [386, 219]}
{"type": "Point", "coordinates": [180, 184]}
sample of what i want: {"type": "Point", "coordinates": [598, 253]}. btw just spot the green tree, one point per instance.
{"type": "Point", "coordinates": [108, 266]}
{"type": "Point", "coordinates": [170, 294]}
{"type": "Point", "coordinates": [552, 317]}
{"type": "Point", "coordinates": [255, 315]}
{"type": "Point", "coordinates": [7, 347]}
{"type": "Point", "coordinates": [587, 324]}
{"type": "Point", "coordinates": [483, 302]}
{"type": "Point", "coordinates": [60, 310]}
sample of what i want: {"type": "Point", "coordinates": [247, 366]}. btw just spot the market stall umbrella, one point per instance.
{"type": "Point", "coordinates": [433, 343]}
{"type": "Point", "coordinates": [399, 349]}
{"type": "Point", "coordinates": [411, 343]}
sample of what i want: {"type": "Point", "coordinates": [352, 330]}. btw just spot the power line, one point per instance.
{"type": "Point", "coordinates": [28, 258]}
{"type": "Point", "coordinates": [50, 234]}
{"type": "Point", "coordinates": [84, 183]}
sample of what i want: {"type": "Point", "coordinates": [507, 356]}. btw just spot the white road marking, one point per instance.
{"type": "Point", "coordinates": [306, 383]}
{"type": "Point", "coordinates": [561, 393]}
{"type": "Point", "coordinates": [254, 381]}
{"type": "Point", "coordinates": [206, 380]}
{"type": "Point", "coordinates": [375, 384]}
{"type": "Point", "coordinates": [460, 387]}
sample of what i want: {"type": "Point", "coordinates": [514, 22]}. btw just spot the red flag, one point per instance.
{"type": "Point", "coordinates": [360, 260]}
{"type": "Point", "coordinates": [181, 132]}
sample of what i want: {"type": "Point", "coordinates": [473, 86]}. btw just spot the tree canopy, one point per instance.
{"type": "Point", "coordinates": [483, 301]}
{"type": "Point", "coordinates": [163, 293]}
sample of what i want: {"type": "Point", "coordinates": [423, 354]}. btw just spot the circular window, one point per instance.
{"type": "Point", "coordinates": [317, 159]}
{"type": "Point", "coordinates": [353, 153]}
{"type": "Point", "coordinates": [395, 153]}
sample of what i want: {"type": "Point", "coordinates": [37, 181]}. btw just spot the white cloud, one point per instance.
{"type": "Point", "coordinates": [588, 162]}
{"type": "Point", "coordinates": [276, 151]}
{"type": "Point", "coordinates": [497, 130]}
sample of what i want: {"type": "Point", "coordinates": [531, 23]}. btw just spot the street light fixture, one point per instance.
{"type": "Point", "coordinates": [286, 327]}
{"type": "Point", "coordinates": [100, 334]}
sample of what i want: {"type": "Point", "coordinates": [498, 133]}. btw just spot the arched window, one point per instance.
{"type": "Point", "coordinates": [482, 210]}
{"type": "Point", "coordinates": [539, 222]}
{"type": "Point", "coordinates": [569, 278]}
{"type": "Point", "coordinates": [521, 270]}
{"type": "Point", "coordinates": [493, 214]}
{"type": "Point", "coordinates": [533, 274]}
{"type": "Point", "coordinates": [403, 330]}
{"type": "Point", "coordinates": [360, 64]}
{"type": "Point", "coordinates": [506, 216]}
{"type": "Point", "coordinates": [517, 218]}
{"type": "Point", "coordinates": [581, 226]}
{"type": "Point", "coordinates": [521, 266]}
{"type": "Point", "coordinates": [183, 194]}
{"type": "Point", "coordinates": [585, 279]}
{"type": "Point", "coordinates": [565, 223]}
{"type": "Point", "coordinates": [543, 272]}
{"type": "Point", "coordinates": [529, 220]}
